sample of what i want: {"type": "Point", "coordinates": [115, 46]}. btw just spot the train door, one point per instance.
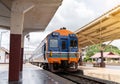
{"type": "Point", "coordinates": [64, 45]}
{"type": "Point", "coordinates": [44, 50]}
{"type": "Point", "coordinates": [64, 50]}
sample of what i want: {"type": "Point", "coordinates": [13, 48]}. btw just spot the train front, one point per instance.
{"type": "Point", "coordinates": [63, 50]}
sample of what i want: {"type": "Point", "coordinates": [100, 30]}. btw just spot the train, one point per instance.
{"type": "Point", "coordinates": [58, 51]}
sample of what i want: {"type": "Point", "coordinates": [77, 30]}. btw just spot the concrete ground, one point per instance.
{"type": "Point", "coordinates": [111, 73]}
{"type": "Point", "coordinates": [32, 75]}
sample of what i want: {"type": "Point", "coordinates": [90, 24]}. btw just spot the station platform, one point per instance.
{"type": "Point", "coordinates": [32, 75]}
{"type": "Point", "coordinates": [106, 73]}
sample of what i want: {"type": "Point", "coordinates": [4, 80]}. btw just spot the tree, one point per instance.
{"type": "Point", "coordinates": [91, 50]}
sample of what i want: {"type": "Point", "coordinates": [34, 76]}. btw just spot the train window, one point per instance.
{"type": "Point", "coordinates": [53, 43]}
{"type": "Point", "coordinates": [73, 43]}
{"type": "Point", "coordinates": [63, 45]}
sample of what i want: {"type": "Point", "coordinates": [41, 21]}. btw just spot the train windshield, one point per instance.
{"type": "Point", "coordinates": [53, 43]}
{"type": "Point", "coordinates": [73, 43]}
{"type": "Point", "coordinates": [63, 45]}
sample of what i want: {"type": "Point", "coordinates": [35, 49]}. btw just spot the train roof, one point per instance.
{"type": "Point", "coordinates": [63, 32]}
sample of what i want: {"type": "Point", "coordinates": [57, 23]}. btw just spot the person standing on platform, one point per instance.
{"type": "Point", "coordinates": [99, 61]}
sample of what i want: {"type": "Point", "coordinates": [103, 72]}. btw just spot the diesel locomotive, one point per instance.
{"type": "Point", "coordinates": [58, 51]}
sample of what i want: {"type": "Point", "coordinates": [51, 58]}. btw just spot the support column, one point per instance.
{"type": "Point", "coordinates": [80, 60]}
{"type": "Point", "coordinates": [22, 53]}
{"type": "Point", "coordinates": [19, 8]}
{"type": "Point", "coordinates": [21, 60]}
{"type": "Point", "coordinates": [5, 58]}
{"type": "Point", "coordinates": [102, 64]}
{"type": "Point", "coordinates": [17, 19]}
{"type": "Point", "coordinates": [81, 54]}
{"type": "Point", "coordinates": [15, 55]}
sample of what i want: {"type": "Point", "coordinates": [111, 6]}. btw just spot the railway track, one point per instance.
{"type": "Point", "coordinates": [82, 79]}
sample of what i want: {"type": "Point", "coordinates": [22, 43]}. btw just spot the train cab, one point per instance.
{"type": "Point", "coordinates": [59, 51]}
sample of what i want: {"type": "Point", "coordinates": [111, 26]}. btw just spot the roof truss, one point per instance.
{"type": "Point", "coordinates": [104, 28]}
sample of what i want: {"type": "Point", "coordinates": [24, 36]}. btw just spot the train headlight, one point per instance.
{"type": "Point", "coordinates": [50, 53]}
{"type": "Point", "coordinates": [72, 35]}
{"type": "Point", "coordinates": [55, 34]}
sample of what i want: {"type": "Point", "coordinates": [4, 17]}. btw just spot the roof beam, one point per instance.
{"type": "Point", "coordinates": [88, 37]}
{"type": "Point", "coordinates": [108, 44]}
{"type": "Point", "coordinates": [7, 4]}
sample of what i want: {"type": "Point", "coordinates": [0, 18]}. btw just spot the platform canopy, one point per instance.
{"type": "Point", "coordinates": [105, 28]}
{"type": "Point", "coordinates": [36, 19]}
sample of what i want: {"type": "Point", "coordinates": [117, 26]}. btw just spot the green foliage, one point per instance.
{"type": "Point", "coordinates": [91, 50]}
{"type": "Point", "coordinates": [87, 58]}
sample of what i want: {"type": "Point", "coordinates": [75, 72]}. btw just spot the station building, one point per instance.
{"type": "Point", "coordinates": [109, 57]}
{"type": "Point", "coordinates": [4, 55]}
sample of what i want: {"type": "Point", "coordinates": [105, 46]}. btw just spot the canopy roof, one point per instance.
{"type": "Point", "coordinates": [102, 29]}
{"type": "Point", "coordinates": [106, 55]}
{"type": "Point", "coordinates": [36, 19]}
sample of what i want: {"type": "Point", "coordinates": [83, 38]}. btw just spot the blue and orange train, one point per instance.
{"type": "Point", "coordinates": [58, 51]}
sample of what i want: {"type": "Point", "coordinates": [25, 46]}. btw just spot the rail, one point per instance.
{"type": "Point", "coordinates": [82, 79]}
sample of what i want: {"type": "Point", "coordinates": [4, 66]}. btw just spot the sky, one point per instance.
{"type": "Point", "coordinates": [72, 14]}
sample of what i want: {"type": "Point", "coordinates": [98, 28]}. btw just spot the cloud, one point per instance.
{"type": "Point", "coordinates": [36, 38]}
{"type": "Point", "coordinates": [72, 14]}
{"type": "Point", "coordinates": [112, 3]}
